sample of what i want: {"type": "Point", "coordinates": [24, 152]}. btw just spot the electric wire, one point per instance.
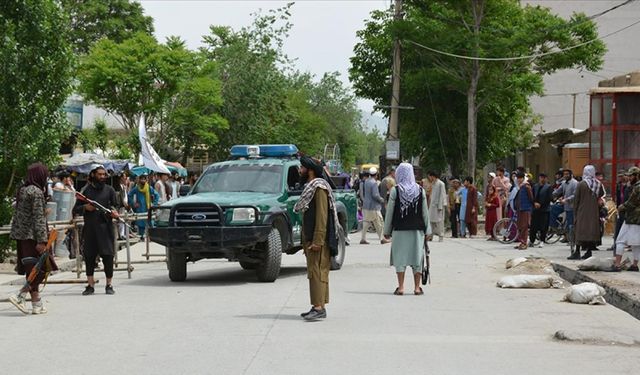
{"type": "Point", "coordinates": [527, 57]}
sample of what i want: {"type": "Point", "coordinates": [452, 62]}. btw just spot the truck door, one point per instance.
{"type": "Point", "coordinates": [294, 189]}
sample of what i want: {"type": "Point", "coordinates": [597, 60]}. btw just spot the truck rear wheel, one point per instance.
{"type": "Point", "coordinates": [269, 269]}
{"type": "Point", "coordinates": [177, 265]}
{"type": "Point", "coordinates": [338, 260]}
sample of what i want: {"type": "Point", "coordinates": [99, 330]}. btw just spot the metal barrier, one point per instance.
{"type": "Point", "coordinates": [74, 226]}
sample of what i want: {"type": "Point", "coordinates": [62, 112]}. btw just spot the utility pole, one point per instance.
{"type": "Point", "coordinates": [395, 80]}
{"type": "Point", "coordinates": [574, 110]}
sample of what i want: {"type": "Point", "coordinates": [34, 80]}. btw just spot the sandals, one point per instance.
{"type": "Point", "coordinates": [419, 293]}
{"type": "Point", "coordinates": [397, 292]}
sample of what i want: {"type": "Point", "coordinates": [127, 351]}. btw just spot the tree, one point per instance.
{"type": "Point", "coordinates": [35, 80]}
{"type": "Point", "coordinates": [35, 71]}
{"type": "Point", "coordinates": [194, 113]}
{"type": "Point", "coordinates": [132, 78]}
{"type": "Point", "coordinates": [92, 21]}
{"type": "Point", "coordinates": [254, 85]}
{"type": "Point", "coordinates": [490, 97]}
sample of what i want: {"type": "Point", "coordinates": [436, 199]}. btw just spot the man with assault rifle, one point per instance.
{"type": "Point", "coordinates": [96, 204]}
{"type": "Point", "coordinates": [29, 229]}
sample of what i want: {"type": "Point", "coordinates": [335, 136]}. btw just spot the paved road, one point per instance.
{"type": "Point", "coordinates": [223, 322]}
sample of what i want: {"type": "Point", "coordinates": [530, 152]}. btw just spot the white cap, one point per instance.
{"type": "Point", "coordinates": [492, 174]}
{"type": "Point", "coordinates": [96, 166]}
{"type": "Point", "coordinates": [373, 171]}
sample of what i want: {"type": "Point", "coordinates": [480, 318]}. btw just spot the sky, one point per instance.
{"type": "Point", "coordinates": [321, 40]}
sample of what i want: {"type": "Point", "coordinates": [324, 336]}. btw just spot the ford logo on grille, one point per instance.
{"type": "Point", "coordinates": [199, 217]}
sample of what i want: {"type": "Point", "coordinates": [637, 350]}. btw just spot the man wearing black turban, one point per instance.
{"type": "Point", "coordinates": [318, 168]}
{"type": "Point", "coordinates": [319, 233]}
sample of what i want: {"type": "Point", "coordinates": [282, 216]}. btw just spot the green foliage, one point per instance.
{"type": "Point", "coordinates": [440, 87]}
{"type": "Point", "coordinates": [6, 244]}
{"type": "Point", "coordinates": [266, 101]}
{"type": "Point", "coordinates": [194, 113]}
{"type": "Point", "coordinates": [135, 77]}
{"type": "Point", "coordinates": [95, 138]}
{"type": "Point", "coordinates": [86, 139]}
{"type": "Point", "coordinates": [116, 20]}
{"type": "Point", "coordinates": [254, 86]}
{"type": "Point", "coordinates": [121, 146]}
{"type": "Point", "coordinates": [101, 134]}
{"type": "Point", "coordinates": [35, 66]}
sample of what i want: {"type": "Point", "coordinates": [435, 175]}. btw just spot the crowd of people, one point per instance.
{"type": "Point", "coordinates": [402, 210]}
{"type": "Point", "coordinates": [571, 205]}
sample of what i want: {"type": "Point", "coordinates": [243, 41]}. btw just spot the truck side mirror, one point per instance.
{"type": "Point", "coordinates": [184, 190]}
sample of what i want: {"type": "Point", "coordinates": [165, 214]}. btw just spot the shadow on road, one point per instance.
{"type": "Point", "coordinates": [369, 293]}
{"type": "Point", "coordinates": [270, 317]}
{"type": "Point", "coordinates": [215, 277]}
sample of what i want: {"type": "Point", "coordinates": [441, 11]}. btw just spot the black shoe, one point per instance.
{"type": "Point", "coordinates": [109, 290]}
{"type": "Point", "coordinates": [587, 255]}
{"type": "Point", "coordinates": [88, 291]}
{"type": "Point", "coordinates": [316, 314]}
{"type": "Point", "coordinates": [574, 256]}
{"type": "Point", "coordinates": [306, 313]}
{"type": "Point", "coordinates": [633, 268]}
{"type": "Point", "coordinates": [564, 240]}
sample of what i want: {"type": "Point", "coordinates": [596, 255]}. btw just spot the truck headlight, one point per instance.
{"type": "Point", "coordinates": [243, 215]}
{"type": "Point", "coordinates": [162, 216]}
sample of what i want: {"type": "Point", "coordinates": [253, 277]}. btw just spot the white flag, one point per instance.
{"type": "Point", "coordinates": [150, 157]}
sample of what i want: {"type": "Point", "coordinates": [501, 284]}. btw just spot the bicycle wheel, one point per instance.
{"type": "Point", "coordinates": [553, 236]}
{"type": "Point", "coordinates": [505, 231]}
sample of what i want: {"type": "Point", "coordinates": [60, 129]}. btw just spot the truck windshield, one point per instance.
{"type": "Point", "coordinates": [257, 178]}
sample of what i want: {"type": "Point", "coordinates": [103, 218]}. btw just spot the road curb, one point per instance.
{"type": "Point", "coordinates": [616, 297]}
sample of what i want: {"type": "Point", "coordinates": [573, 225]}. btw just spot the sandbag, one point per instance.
{"type": "Point", "coordinates": [590, 293]}
{"type": "Point", "coordinates": [529, 282]}
{"type": "Point", "coordinates": [599, 264]}
{"type": "Point", "coordinates": [515, 261]}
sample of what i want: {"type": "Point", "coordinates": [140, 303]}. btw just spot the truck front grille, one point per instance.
{"type": "Point", "coordinates": [197, 216]}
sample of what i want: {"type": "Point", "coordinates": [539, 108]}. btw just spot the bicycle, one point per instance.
{"type": "Point", "coordinates": [506, 229]}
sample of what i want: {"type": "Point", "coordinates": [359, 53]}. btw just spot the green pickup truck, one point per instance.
{"type": "Point", "coordinates": [242, 210]}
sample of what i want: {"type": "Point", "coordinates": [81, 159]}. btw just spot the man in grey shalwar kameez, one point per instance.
{"type": "Point", "coordinates": [437, 204]}
{"type": "Point", "coordinates": [407, 221]}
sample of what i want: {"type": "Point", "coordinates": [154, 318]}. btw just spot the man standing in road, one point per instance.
{"type": "Point", "coordinates": [566, 191]}
{"type": "Point", "coordinates": [630, 232]}
{"type": "Point", "coordinates": [437, 204]}
{"type": "Point", "coordinates": [524, 206]}
{"type": "Point", "coordinates": [386, 185]}
{"type": "Point", "coordinates": [29, 229]}
{"type": "Point", "coordinates": [469, 213]}
{"type": "Point", "coordinates": [586, 204]}
{"type": "Point", "coordinates": [503, 186]}
{"type": "Point", "coordinates": [541, 206]}
{"type": "Point", "coordinates": [454, 207]}
{"type": "Point", "coordinates": [372, 208]}
{"type": "Point", "coordinates": [141, 198]}
{"type": "Point", "coordinates": [623, 192]}
{"type": "Point", "coordinates": [161, 187]}
{"type": "Point", "coordinates": [98, 230]}
{"type": "Point", "coordinates": [319, 234]}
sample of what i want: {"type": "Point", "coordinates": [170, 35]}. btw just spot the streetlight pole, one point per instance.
{"type": "Point", "coordinates": [395, 80]}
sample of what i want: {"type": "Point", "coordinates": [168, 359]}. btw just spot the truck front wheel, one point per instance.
{"type": "Point", "coordinates": [269, 269]}
{"type": "Point", "coordinates": [177, 265]}
{"type": "Point", "coordinates": [338, 260]}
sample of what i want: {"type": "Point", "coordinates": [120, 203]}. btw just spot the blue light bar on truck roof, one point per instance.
{"type": "Point", "coordinates": [271, 151]}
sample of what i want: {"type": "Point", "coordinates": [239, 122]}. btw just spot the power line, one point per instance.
{"type": "Point", "coordinates": [564, 94]}
{"type": "Point", "coordinates": [566, 114]}
{"type": "Point", "coordinates": [528, 57]}
{"type": "Point", "coordinates": [545, 30]}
